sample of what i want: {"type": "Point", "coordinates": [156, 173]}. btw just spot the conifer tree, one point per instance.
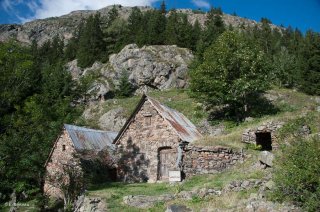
{"type": "Point", "coordinates": [125, 88]}
{"type": "Point", "coordinates": [163, 8]}
{"type": "Point", "coordinates": [91, 43]}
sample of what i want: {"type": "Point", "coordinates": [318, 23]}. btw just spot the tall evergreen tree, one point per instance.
{"type": "Point", "coordinates": [163, 8]}
{"type": "Point", "coordinates": [311, 73]}
{"type": "Point", "coordinates": [91, 43]}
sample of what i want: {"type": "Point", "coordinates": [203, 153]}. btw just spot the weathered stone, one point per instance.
{"type": "Point", "coordinates": [159, 67]}
{"type": "Point", "coordinates": [249, 135]}
{"type": "Point", "coordinates": [270, 185]}
{"type": "Point", "coordinates": [89, 204]}
{"type": "Point", "coordinates": [112, 120]}
{"type": "Point", "coordinates": [266, 157]}
{"type": "Point", "coordinates": [208, 159]}
{"type": "Point", "coordinates": [178, 208]}
{"type": "Point", "coordinates": [142, 201]}
{"type": "Point", "coordinates": [74, 70]}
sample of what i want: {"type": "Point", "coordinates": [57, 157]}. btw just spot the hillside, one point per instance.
{"type": "Point", "coordinates": [103, 102]}
{"type": "Point", "coordinates": [245, 187]}
{"type": "Point", "coordinates": [65, 26]}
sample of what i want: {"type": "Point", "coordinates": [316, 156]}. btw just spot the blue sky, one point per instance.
{"type": "Point", "coordinates": [303, 14]}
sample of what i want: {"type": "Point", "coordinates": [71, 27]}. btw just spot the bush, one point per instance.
{"type": "Point", "coordinates": [297, 174]}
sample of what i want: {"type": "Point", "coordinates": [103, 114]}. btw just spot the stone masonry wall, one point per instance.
{"type": "Point", "coordinates": [249, 135]}
{"type": "Point", "coordinates": [204, 160]}
{"type": "Point", "coordinates": [138, 148]}
{"type": "Point", "coordinates": [54, 168]}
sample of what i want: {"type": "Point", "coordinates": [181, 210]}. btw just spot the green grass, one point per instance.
{"type": "Point", "coordinates": [113, 193]}
{"type": "Point", "coordinates": [176, 99]}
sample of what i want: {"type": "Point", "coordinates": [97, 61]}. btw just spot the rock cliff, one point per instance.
{"type": "Point", "coordinates": [156, 67]}
{"type": "Point", "coordinates": [65, 26]}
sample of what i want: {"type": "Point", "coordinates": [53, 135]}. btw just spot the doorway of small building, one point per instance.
{"type": "Point", "coordinates": [166, 159]}
{"type": "Point", "coordinates": [264, 140]}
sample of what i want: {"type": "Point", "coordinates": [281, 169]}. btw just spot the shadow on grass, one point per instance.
{"type": "Point", "coordinates": [257, 107]}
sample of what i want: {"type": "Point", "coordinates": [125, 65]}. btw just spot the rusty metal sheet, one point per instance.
{"type": "Point", "coordinates": [183, 126]}
{"type": "Point", "coordinates": [89, 139]}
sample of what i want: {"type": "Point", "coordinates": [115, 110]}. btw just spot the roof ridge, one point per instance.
{"type": "Point", "coordinates": [88, 129]}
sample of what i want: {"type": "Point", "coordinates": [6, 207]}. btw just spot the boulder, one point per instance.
{"type": "Point", "coordinates": [113, 120]}
{"type": "Point", "coordinates": [89, 204]}
{"type": "Point", "coordinates": [142, 201]}
{"type": "Point", "coordinates": [266, 158]}
{"type": "Point", "coordinates": [178, 208]}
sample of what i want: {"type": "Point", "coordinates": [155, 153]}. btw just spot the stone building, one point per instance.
{"type": "Point", "coordinates": [263, 135]}
{"type": "Point", "coordinates": [157, 139]}
{"type": "Point", "coordinates": [151, 142]}
{"type": "Point", "coordinates": [79, 150]}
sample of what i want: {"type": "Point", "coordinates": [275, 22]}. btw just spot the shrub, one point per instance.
{"type": "Point", "coordinates": [297, 174]}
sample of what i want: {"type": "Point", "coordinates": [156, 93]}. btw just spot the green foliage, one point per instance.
{"type": "Point", "coordinates": [311, 73]}
{"type": "Point", "coordinates": [16, 76]}
{"type": "Point", "coordinates": [91, 43]}
{"type": "Point", "coordinates": [297, 174]}
{"type": "Point", "coordinates": [125, 88]}
{"type": "Point", "coordinates": [254, 146]}
{"type": "Point", "coordinates": [286, 72]}
{"type": "Point", "coordinates": [233, 72]}
{"type": "Point", "coordinates": [35, 102]}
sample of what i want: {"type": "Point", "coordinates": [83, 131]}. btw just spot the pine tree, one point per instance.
{"type": "Point", "coordinates": [125, 88]}
{"type": "Point", "coordinates": [163, 8]}
{"type": "Point", "coordinates": [91, 43]}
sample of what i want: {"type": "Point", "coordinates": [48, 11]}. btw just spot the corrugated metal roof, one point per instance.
{"type": "Point", "coordinates": [183, 126]}
{"type": "Point", "coordinates": [89, 139]}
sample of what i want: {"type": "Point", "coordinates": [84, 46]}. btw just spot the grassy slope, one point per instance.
{"type": "Point", "coordinates": [293, 107]}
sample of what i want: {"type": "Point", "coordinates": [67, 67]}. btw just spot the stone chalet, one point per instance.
{"type": "Point", "coordinates": [79, 149]}
{"type": "Point", "coordinates": [151, 141]}
{"type": "Point", "coordinates": [157, 139]}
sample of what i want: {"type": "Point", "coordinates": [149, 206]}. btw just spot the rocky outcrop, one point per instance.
{"type": "Point", "coordinates": [149, 68]}
{"type": "Point", "coordinates": [66, 25]}
{"type": "Point", "coordinates": [89, 204]}
{"type": "Point", "coordinates": [113, 120]}
{"type": "Point", "coordinates": [160, 67]}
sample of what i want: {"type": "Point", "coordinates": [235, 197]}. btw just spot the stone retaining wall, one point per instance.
{"type": "Point", "coordinates": [204, 160]}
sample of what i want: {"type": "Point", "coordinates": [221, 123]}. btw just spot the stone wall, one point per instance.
{"type": "Point", "coordinates": [63, 153]}
{"type": "Point", "coordinates": [138, 148]}
{"type": "Point", "coordinates": [204, 160]}
{"type": "Point", "coordinates": [249, 135]}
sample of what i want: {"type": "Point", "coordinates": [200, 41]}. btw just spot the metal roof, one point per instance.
{"type": "Point", "coordinates": [182, 125]}
{"type": "Point", "coordinates": [89, 139]}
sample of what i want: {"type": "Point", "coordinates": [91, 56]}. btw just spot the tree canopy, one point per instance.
{"type": "Point", "coordinates": [233, 71]}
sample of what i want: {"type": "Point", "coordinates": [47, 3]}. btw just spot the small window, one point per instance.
{"type": "Point", "coordinates": [148, 120]}
{"type": "Point", "coordinates": [63, 147]}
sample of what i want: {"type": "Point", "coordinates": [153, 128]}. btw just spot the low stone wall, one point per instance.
{"type": "Point", "coordinates": [204, 160]}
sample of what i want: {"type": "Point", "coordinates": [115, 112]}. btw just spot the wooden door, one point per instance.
{"type": "Point", "coordinates": [167, 159]}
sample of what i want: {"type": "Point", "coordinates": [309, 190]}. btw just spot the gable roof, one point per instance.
{"type": "Point", "coordinates": [181, 124]}
{"type": "Point", "coordinates": [89, 139]}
